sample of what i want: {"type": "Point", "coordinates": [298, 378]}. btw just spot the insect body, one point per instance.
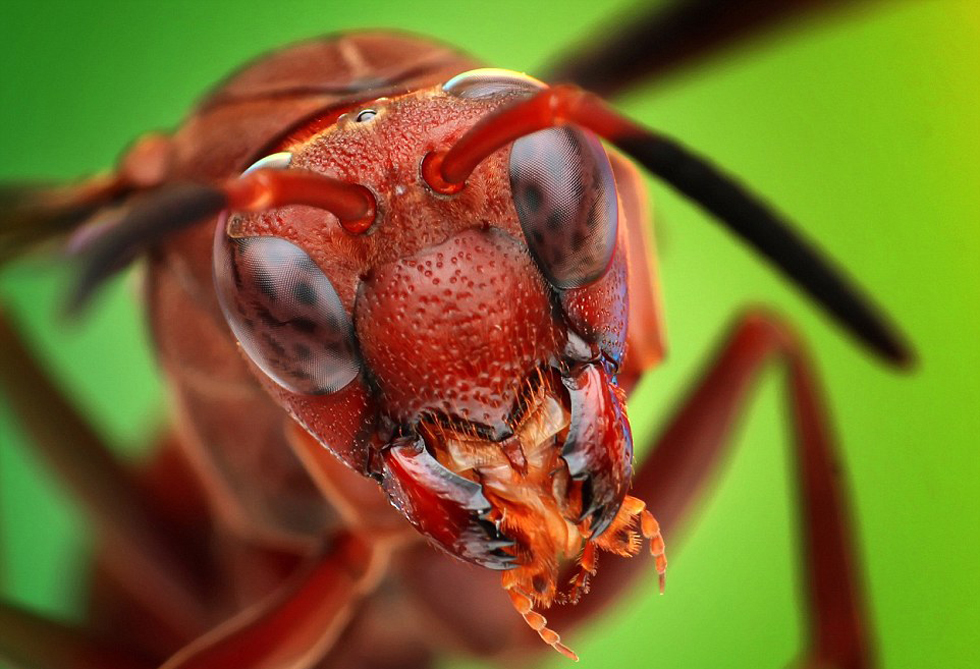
{"type": "Point", "coordinates": [434, 275]}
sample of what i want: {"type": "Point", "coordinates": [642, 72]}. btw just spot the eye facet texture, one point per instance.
{"type": "Point", "coordinates": [285, 313]}
{"type": "Point", "coordinates": [565, 196]}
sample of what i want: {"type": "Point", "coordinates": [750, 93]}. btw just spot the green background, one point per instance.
{"type": "Point", "coordinates": [865, 128]}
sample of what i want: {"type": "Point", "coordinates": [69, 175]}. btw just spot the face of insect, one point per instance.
{"type": "Point", "coordinates": [463, 350]}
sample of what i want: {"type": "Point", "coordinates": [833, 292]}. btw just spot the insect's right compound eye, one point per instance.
{"type": "Point", "coordinates": [489, 82]}
{"type": "Point", "coordinates": [285, 313]}
{"type": "Point", "coordinates": [274, 161]}
{"type": "Point", "coordinates": [565, 196]}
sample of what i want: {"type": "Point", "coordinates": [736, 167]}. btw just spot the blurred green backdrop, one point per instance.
{"type": "Point", "coordinates": [865, 128]}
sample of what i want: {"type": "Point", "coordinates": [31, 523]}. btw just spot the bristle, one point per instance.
{"type": "Point", "coordinates": [635, 543]}
{"type": "Point", "coordinates": [588, 562]}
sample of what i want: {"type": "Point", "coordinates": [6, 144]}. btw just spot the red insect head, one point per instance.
{"type": "Point", "coordinates": [456, 339]}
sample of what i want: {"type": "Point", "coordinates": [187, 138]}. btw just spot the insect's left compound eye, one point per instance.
{"type": "Point", "coordinates": [285, 313]}
{"type": "Point", "coordinates": [565, 196]}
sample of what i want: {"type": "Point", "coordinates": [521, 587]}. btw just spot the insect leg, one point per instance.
{"type": "Point", "coordinates": [387, 632]}
{"type": "Point", "coordinates": [108, 491]}
{"type": "Point", "coordinates": [355, 497]}
{"type": "Point", "coordinates": [29, 640]}
{"type": "Point", "coordinates": [296, 626]}
{"type": "Point", "coordinates": [688, 452]}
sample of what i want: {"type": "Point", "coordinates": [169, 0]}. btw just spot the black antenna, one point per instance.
{"type": "Point", "coordinates": [765, 230]}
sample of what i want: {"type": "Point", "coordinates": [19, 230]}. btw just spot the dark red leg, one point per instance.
{"type": "Point", "coordinates": [686, 456]}
{"type": "Point", "coordinates": [298, 625]}
{"type": "Point", "coordinates": [173, 573]}
{"type": "Point", "coordinates": [387, 632]}
{"type": "Point", "coordinates": [28, 640]}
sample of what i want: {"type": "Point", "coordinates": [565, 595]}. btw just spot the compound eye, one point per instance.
{"type": "Point", "coordinates": [489, 82]}
{"type": "Point", "coordinates": [285, 313]}
{"type": "Point", "coordinates": [565, 196]}
{"type": "Point", "coordinates": [274, 161]}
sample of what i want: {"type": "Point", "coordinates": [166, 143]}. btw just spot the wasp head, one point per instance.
{"type": "Point", "coordinates": [462, 346]}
